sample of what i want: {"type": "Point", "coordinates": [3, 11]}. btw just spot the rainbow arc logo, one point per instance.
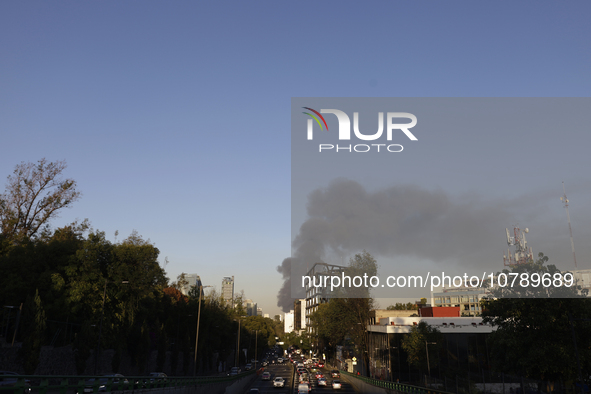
{"type": "Point", "coordinates": [315, 118]}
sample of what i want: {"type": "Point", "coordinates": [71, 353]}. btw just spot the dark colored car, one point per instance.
{"type": "Point", "coordinates": [11, 379]}
{"type": "Point", "coordinates": [117, 382]}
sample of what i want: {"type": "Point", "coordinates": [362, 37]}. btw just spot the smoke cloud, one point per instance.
{"type": "Point", "coordinates": [403, 221]}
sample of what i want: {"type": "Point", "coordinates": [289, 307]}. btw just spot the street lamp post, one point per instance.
{"type": "Point", "coordinates": [197, 333]}
{"type": "Point", "coordinates": [238, 345]}
{"type": "Point", "coordinates": [256, 341]}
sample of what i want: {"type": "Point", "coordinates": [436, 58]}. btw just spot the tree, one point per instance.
{"type": "Point", "coordinates": [536, 331]}
{"type": "Point", "coordinates": [420, 339]}
{"type": "Point", "coordinates": [399, 306]}
{"type": "Point", "coordinates": [181, 282]}
{"type": "Point", "coordinates": [347, 314]}
{"type": "Point", "coordinates": [34, 194]}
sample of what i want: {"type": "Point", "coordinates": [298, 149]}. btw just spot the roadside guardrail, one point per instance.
{"type": "Point", "coordinates": [62, 384]}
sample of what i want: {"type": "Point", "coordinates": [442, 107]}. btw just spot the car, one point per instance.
{"type": "Point", "coordinates": [335, 374]}
{"type": "Point", "coordinates": [279, 382]}
{"type": "Point", "coordinates": [319, 375]}
{"type": "Point", "coordinates": [266, 376]}
{"type": "Point", "coordinates": [10, 379]}
{"type": "Point", "coordinates": [248, 367]}
{"type": "Point", "coordinates": [321, 364]}
{"type": "Point", "coordinates": [158, 377]}
{"type": "Point", "coordinates": [336, 384]}
{"type": "Point", "coordinates": [253, 391]}
{"type": "Point", "coordinates": [303, 388]}
{"type": "Point", "coordinates": [235, 371]}
{"type": "Point", "coordinates": [115, 381]}
{"type": "Point", "coordinates": [322, 382]}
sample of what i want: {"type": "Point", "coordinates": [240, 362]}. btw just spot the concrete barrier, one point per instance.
{"type": "Point", "coordinates": [363, 387]}
{"type": "Point", "coordinates": [240, 385]}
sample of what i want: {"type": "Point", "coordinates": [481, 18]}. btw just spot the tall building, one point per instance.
{"type": "Point", "coordinates": [299, 308]}
{"type": "Point", "coordinates": [288, 322]}
{"type": "Point", "coordinates": [316, 295]}
{"type": "Point", "coordinates": [251, 307]}
{"type": "Point", "coordinates": [228, 289]}
{"type": "Point", "coordinates": [192, 280]}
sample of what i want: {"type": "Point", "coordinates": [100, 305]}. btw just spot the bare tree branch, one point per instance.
{"type": "Point", "coordinates": [34, 194]}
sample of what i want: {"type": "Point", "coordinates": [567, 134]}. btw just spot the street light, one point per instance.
{"type": "Point", "coordinates": [238, 344]}
{"type": "Point", "coordinates": [256, 342]}
{"type": "Point", "coordinates": [197, 333]}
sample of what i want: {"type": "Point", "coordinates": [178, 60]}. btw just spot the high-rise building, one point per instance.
{"type": "Point", "coordinates": [228, 290]}
{"type": "Point", "coordinates": [251, 307]}
{"type": "Point", "coordinates": [318, 295]}
{"type": "Point", "coordinates": [259, 311]}
{"type": "Point", "coordinates": [299, 308]}
{"type": "Point", "coordinates": [288, 322]}
{"type": "Point", "coordinates": [192, 280]}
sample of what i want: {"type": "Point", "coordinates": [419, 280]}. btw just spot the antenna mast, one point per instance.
{"type": "Point", "coordinates": [523, 254]}
{"type": "Point", "coordinates": [572, 243]}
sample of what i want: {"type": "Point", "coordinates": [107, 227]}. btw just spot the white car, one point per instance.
{"type": "Point", "coordinates": [336, 384]}
{"type": "Point", "coordinates": [279, 382]}
{"type": "Point", "coordinates": [322, 382]}
{"type": "Point", "coordinates": [266, 376]}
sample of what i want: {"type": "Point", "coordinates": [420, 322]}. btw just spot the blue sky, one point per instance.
{"type": "Point", "coordinates": [174, 117]}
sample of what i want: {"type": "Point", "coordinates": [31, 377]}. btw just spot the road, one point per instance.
{"type": "Point", "coordinates": [285, 370]}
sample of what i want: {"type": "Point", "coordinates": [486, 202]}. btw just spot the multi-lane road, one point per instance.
{"type": "Point", "coordinates": [286, 371]}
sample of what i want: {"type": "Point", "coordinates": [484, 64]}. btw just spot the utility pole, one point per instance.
{"type": "Point", "coordinates": [197, 333]}
{"type": "Point", "coordinates": [427, 351]}
{"type": "Point", "coordinates": [256, 339]}
{"type": "Point", "coordinates": [238, 345]}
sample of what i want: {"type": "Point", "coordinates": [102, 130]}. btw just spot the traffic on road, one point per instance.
{"type": "Point", "coordinates": [298, 375]}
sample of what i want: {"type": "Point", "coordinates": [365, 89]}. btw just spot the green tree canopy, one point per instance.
{"type": "Point", "coordinates": [534, 336]}
{"type": "Point", "coordinates": [422, 338]}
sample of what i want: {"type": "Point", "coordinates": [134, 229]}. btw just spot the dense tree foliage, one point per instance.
{"type": "Point", "coordinates": [423, 338]}
{"type": "Point", "coordinates": [346, 316]}
{"type": "Point", "coordinates": [538, 326]}
{"type": "Point", "coordinates": [71, 285]}
{"type": "Point", "coordinates": [399, 306]}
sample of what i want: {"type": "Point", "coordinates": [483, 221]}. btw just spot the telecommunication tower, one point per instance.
{"type": "Point", "coordinates": [572, 244]}
{"type": "Point", "coordinates": [523, 254]}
